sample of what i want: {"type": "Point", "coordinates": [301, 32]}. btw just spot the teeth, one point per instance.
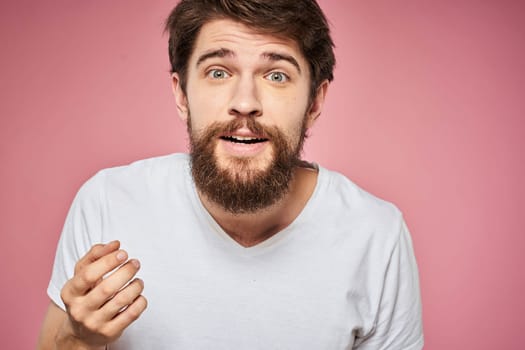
{"type": "Point", "coordinates": [242, 138]}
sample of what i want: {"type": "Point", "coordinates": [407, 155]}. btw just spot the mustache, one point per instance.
{"type": "Point", "coordinates": [229, 127]}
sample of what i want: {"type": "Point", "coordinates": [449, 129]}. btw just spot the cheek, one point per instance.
{"type": "Point", "coordinates": [289, 115]}
{"type": "Point", "coordinates": [206, 108]}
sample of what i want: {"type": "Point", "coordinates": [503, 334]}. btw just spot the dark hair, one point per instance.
{"type": "Point", "coordinates": [300, 20]}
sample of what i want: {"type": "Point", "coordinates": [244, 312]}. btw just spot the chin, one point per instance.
{"type": "Point", "coordinates": [258, 163]}
{"type": "Point", "coordinates": [244, 168]}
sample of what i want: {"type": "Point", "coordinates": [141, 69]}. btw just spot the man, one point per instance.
{"type": "Point", "coordinates": [241, 245]}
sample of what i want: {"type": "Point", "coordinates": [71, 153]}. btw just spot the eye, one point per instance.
{"type": "Point", "coordinates": [278, 77]}
{"type": "Point", "coordinates": [218, 74]}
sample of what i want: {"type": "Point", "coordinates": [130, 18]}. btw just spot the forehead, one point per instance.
{"type": "Point", "coordinates": [242, 39]}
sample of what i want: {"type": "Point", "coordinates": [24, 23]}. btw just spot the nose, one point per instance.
{"type": "Point", "coordinates": [245, 100]}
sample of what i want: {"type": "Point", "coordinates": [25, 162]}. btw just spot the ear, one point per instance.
{"type": "Point", "coordinates": [317, 104]}
{"type": "Point", "coordinates": [180, 97]}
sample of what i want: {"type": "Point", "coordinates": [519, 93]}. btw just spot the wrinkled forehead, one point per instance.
{"type": "Point", "coordinates": [228, 38]}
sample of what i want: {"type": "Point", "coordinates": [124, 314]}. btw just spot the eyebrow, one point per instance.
{"type": "Point", "coordinates": [215, 53]}
{"type": "Point", "coordinates": [271, 56]}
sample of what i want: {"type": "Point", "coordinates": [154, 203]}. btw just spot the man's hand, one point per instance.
{"type": "Point", "coordinates": [100, 307]}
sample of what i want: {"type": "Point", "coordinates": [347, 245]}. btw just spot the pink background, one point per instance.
{"type": "Point", "coordinates": [426, 111]}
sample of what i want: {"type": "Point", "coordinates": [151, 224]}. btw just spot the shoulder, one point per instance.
{"type": "Point", "coordinates": [345, 194]}
{"type": "Point", "coordinates": [355, 215]}
{"type": "Point", "coordinates": [143, 175]}
{"type": "Point", "coordinates": [150, 167]}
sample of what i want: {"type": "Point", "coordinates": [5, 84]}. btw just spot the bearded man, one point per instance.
{"type": "Point", "coordinates": [242, 245]}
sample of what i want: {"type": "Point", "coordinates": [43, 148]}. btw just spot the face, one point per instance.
{"type": "Point", "coordinates": [247, 109]}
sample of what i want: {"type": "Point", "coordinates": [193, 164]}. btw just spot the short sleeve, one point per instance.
{"type": "Point", "coordinates": [398, 323]}
{"type": "Point", "coordinates": [82, 229]}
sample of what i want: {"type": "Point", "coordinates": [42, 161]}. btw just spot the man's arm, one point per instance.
{"type": "Point", "coordinates": [98, 308]}
{"type": "Point", "coordinates": [53, 320]}
{"type": "Point", "coordinates": [398, 323]}
{"type": "Point", "coordinates": [49, 333]}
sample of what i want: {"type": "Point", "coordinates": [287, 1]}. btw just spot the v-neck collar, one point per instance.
{"type": "Point", "coordinates": [275, 241]}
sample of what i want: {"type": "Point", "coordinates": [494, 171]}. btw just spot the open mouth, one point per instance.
{"type": "Point", "coordinates": [243, 139]}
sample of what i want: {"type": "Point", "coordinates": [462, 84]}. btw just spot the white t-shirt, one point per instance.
{"type": "Point", "coordinates": [341, 276]}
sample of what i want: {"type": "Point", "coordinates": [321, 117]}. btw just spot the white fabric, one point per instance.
{"type": "Point", "coordinates": [341, 276]}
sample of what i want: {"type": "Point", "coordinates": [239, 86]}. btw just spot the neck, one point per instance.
{"type": "Point", "coordinates": [249, 229]}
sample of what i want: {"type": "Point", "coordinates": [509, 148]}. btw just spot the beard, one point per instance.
{"type": "Point", "coordinates": [237, 186]}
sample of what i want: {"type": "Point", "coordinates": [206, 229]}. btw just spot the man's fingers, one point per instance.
{"type": "Point", "coordinates": [112, 284]}
{"type": "Point", "coordinates": [96, 252]}
{"type": "Point", "coordinates": [87, 277]}
{"type": "Point", "coordinates": [122, 300]}
{"type": "Point", "coordinates": [130, 314]}
{"type": "Point", "coordinates": [100, 299]}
